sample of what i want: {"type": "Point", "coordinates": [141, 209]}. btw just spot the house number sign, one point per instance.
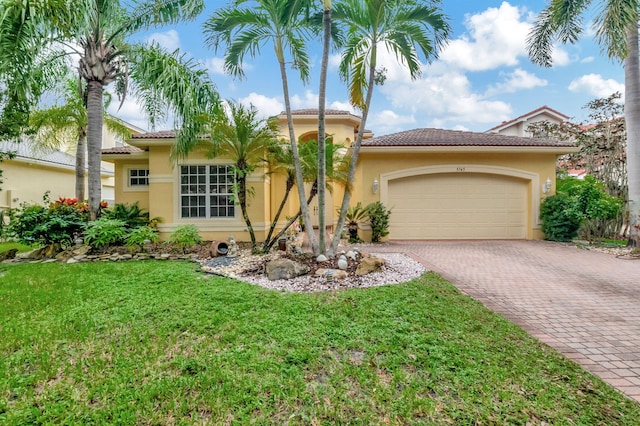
{"type": "Point", "coordinates": [460, 169]}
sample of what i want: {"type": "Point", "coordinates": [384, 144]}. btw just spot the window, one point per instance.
{"type": "Point", "coordinates": [206, 191]}
{"type": "Point", "coordinates": [138, 177]}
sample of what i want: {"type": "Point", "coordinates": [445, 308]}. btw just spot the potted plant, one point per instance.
{"type": "Point", "coordinates": [356, 215]}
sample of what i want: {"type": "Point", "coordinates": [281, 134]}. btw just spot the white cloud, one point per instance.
{"type": "Point", "coordinates": [388, 121]}
{"type": "Point", "coordinates": [517, 80]}
{"type": "Point", "coordinates": [334, 61]}
{"type": "Point", "coordinates": [587, 60]}
{"type": "Point", "coordinates": [170, 40]}
{"type": "Point", "coordinates": [308, 100]}
{"type": "Point", "coordinates": [267, 107]}
{"type": "Point", "coordinates": [343, 106]}
{"type": "Point", "coordinates": [596, 85]}
{"type": "Point", "coordinates": [215, 65]}
{"type": "Point", "coordinates": [560, 57]}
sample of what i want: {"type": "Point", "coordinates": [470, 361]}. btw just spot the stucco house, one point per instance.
{"type": "Point", "coordinates": [518, 126]}
{"type": "Point", "coordinates": [440, 184]}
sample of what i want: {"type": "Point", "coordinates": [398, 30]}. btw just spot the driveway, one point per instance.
{"type": "Point", "coordinates": [585, 304]}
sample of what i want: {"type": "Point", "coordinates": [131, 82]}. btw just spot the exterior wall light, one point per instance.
{"type": "Point", "coordinates": [375, 186]}
{"type": "Point", "coordinates": [546, 186]}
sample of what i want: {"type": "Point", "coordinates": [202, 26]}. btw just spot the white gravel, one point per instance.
{"type": "Point", "coordinates": [398, 268]}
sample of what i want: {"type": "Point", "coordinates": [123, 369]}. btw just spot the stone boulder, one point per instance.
{"type": "Point", "coordinates": [46, 252]}
{"type": "Point", "coordinates": [285, 269]}
{"type": "Point", "coordinates": [7, 255]}
{"type": "Point", "coordinates": [369, 265]}
{"type": "Point", "coordinates": [333, 274]}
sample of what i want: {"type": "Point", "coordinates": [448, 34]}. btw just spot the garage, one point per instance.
{"type": "Point", "coordinates": [458, 206]}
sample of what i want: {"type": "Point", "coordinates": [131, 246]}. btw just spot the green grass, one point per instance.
{"type": "Point", "coordinates": [159, 343]}
{"type": "Point", "coordinates": [11, 245]}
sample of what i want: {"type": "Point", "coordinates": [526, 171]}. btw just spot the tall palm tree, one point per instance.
{"type": "Point", "coordinates": [322, 99]}
{"type": "Point", "coordinates": [243, 137]}
{"type": "Point", "coordinates": [63, 124]}
{"type": "Point", "coordinates": [281, 162]}
{"type": "Point", "coordinates": [404, 27]}
{"type": "Point", "coordinates": [616, 26]}
{"type": "Point", "coordinates": [242, 29]}
{"type": "Point", "coordinates": [97, 31]}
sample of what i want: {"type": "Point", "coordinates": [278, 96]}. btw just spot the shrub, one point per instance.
{"type": "Point", "coordinates": [139, 236]}
{"type": "Point", "coordinates": [379, 220]}
{"type": "Point", "coordinates": [60, 223]}
{"type": "Point", "coordinates": [355, 216]}
{"type": "Point", "coordinates": [561, 217]}
{"type": "Point", "coordinates": [185, 235]}
{"type": "Point", "coordinates": [131, 214]}
{"type": "Point", "coordinates": [104, 232]}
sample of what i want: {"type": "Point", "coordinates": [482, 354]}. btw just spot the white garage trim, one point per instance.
{"type": "Point", "coordinates": [533, 178]}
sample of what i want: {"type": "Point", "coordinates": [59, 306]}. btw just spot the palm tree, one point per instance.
{"type": "Point", "coordinates": [96, 31]}
{"type": "Point", "coordinates": [405, 28]}
{"type": "Point", "coordinates": [243, 137]}
{"type": "Point", "coordinates": [281, 161]}
{"type": "Point", "coordinates": [55, 126]}
{"type": "Point", "coordinates": [243, 30]}
{"type": "Point", "coordinates": [616, 27]}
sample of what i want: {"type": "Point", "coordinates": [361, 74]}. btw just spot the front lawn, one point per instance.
{"type": "Point", "coordinates": [159, 343]}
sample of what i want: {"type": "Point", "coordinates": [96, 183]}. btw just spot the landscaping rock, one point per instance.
{"type": "Point", "coordinates": [335, 274]}
{"type": "Point", "coordinates": [342, 263]}
{"type": "Point", "coordinates": [285, 269]}
{"type": "Point", "coordinates": [369, 265]}
{"type": "Point", "coordinates": [9, 254]}
{"type": "Point", "coordinates": [321, 258]}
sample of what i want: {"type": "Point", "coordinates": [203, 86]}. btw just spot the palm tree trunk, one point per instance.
{"type": "Point", "coordinates": [267, 242]}
{"type": "Point", "coordinates": [296, 156]}
{"type": "Point", "coordinates": [346, 199]}
{"type": "Point", "coordinates": [322, 97]}
{"type": "Point", "coordinates": [94, 145]}
{"type": "Point", "coordinates": [81, 151]}
{"type": "Point", "coordinates": [632, 121]}
{"type": "Point", "coordinates": [242, 198]}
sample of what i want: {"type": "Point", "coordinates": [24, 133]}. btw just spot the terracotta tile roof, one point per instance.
{"type": "Point", "coordinates": [529, 114]}
{"type": "Point", "coordinates": [439, 137]}
{"type": "Point", "coordinates": [162, 134]}
{"type": "Point", "coordinates": [314, 111]}
{"type": "Point", "coordinates": [121, 150]}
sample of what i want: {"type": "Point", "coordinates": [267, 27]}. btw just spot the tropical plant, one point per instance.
{"type": "Point", "coordinates": [379, 221]}
{"type": "Point", "coordinates": [242, 30]}
{"type": "Point", "coordinates": [244, 138]}
{"type": "Point", "coordinates": [132, 215]}
{"type": "Point", "coordinates": [404, 27]}
{"type": "Point", "coordinates": [560, 217]}
{"type": "Point", "coordinates": [58, 125]}
{"type": "Point", "coordinates": [355, 216]}
{"type": "Point", "coordinates": [141, 235]}
{"type": "Point", "coordinates": [105, 232]}
{"type": "Point", "coordinates": [33, 33]}
{"type": "Point", "coordinates": [616, 28]}
{"type": "Point", "coordinates": [185, 235]}
{"type": "Point", "coordinates": [60, 222]}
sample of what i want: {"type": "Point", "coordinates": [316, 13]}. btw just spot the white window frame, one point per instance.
{"type": "Point", "coordinates": [207, 190]}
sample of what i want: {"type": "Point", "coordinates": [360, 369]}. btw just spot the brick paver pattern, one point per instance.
{"type": "Point", "coordinates": [583, 303]}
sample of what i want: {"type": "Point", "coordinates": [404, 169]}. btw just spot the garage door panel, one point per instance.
{"type": "Point", "coordinates": [458, 206]}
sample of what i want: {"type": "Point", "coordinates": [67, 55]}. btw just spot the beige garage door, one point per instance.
{"type": "Point", "coordinates": [458, 206]}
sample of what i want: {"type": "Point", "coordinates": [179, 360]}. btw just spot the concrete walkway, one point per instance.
{"type": "Point", "coordinates": [584, 304]}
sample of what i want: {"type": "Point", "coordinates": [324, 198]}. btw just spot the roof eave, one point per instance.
{"type": "Point", "coordinates": [142, 155]}
{"type": "Point", "coordinates": [469, 149]}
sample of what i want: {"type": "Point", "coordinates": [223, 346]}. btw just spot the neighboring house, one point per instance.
{"type": "Point", "coordinates": [440, 184]}
{"type": "Point", "coordinates": [518, 126]}
{"type": "Point", "coordinates": [35, 171]}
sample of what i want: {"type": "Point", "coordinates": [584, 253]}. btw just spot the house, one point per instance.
{"type": "Point", "coordinates": [35, 171]}
{"type": "Point", "coordinates": [518, 126]}
{"type": "Point", "coordinates": [440, 184]}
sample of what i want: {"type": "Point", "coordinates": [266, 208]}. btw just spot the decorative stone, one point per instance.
{"type": "Point", "coordinates": [342, 263]}
{"type": "Point", "coordinates": [331, 274]}
{"type": "Point", "coordinates": [9, 254]}
{"type": "Point", "coordinates": [321, 258]}
{"type": "Point", "coordinates": [369, 265]}
{"type": "Point", "coordinates": [233, 247]}
{"type": "Point", "coordinates": [85, 249]}
{"type": "Point", "coordinates": [351, 255]}
{"type": "Point", "coordinates": [285, 269]}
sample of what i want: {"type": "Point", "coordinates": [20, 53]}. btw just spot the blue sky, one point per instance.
{"type": "Point", "coordinates": [482, 77]}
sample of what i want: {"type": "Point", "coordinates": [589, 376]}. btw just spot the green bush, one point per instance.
{"type": "Point", "coordinates": [139, 236]}
{"type": "Point", "coordinates": [379, 220]}
{"type": "Point", "coordinates": [60, 223]}
{"type": "Point", "coordinates": [105, 232]}
{"type": "Point", "coordinates": [355, 216]}
{"type": "Point", "coordinates": [131, 214]}
{"type": "Point", "coordinates": [561, 217]}
{"type": "Point", "coordinates": [185, 235]}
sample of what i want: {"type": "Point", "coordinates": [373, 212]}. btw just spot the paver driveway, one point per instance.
{"type": "Point", "coordinates": [585, 304]}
